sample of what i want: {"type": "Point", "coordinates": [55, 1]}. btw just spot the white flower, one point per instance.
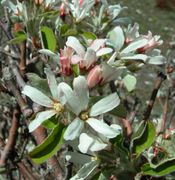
{"type": "Point", "coordinates": [77, 102]}
{"type": "Point", "coordinates": [90, 56]}
{"type": "Point", "coordinates": [55, 104]}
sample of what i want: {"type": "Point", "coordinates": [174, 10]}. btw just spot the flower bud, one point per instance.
{"type": "Point", "coordinates": [65, 61]}
{"type": "Point", "coordinates": [38, 2]}
{"type": "Point", "coordinates": [94, 77]}
{"type": "Point", "coordinates": [62, 10]}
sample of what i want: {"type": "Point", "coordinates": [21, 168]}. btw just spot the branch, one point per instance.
{"type": "Point", "coordinates": [22, 65]}
{"type": "Point", "coordinates": [5, 154]}
{"type": "Point", "coordinates": [11, 86]}
{"type": "Point", "coordinates": [160, 78]}
{"type": "Point", "coordinates": [7, 35]}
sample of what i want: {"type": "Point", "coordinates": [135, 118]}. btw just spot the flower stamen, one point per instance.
{"type": "Point", "coordinates": [58, 107]}
{"type": "Point", "coordinates": [84, 115]}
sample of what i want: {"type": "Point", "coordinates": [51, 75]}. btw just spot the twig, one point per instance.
{"type": "Point", "coordinates": [164, 114]}
{"type": "Point", "coordinates": [22, 65]}
{"type": "Point", "coordinates": [172, 115]}
{"type": "Point", "coordinates": [134, 111]}
{"type": "Point", "coordinates": [5, 154]}
{"type": "Point", "coordinates": [12, 55]}
{"type": "Point", "coordinates": [160, 78]}
{"type": "Point", "coordinates": [17, 74]}
{"type": "Point", "coordinates": [25, 171]}
{"type": "Point", "coordinates": [27, 112]}
{"type": "Point", "coordinates": [7, 35]}
{"type": "Point", "coordinates": [126, 127]}
{"type": "Point", "coordinates": [9, 148]}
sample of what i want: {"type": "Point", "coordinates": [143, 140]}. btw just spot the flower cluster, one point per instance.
{"type": "Point", "coordinates": [90, 60]}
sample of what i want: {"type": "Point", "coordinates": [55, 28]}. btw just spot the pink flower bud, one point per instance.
{"type": "Point", "coordinates": [153, 41]}
{"type": "Point", "coordinates": [94, 77]}
{"type": "Point", "coordinates": [80, 2]}
{"type": "Point", "coordinates": [62, 9]}
{"type": "Point", "coordinates": [65, 61]}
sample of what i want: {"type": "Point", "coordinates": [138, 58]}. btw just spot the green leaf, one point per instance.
{"type": "Point", "coordinates": [117, 38]}
{"type": "Point", "coordinates": [162, 170]}
{"type": "Point", "coordinates": [87, 171]}
{"type": "Point", "coordinates": [119, 111]}
{"type": "Point", "coordinates": [156, 60]}
{"type": "Point", "coordinates": [64, 28]}
{"type": "Point", "coordinates": [130, 82]}
{"type": "Point", "coordinates": [48, 38]}
{"type": "Point", "coordinates": [50, 123]}
{"type": "Point", "coordinates": [148, 134]}
{"type": "Point", "coordinates": [76, 69]}
{"type": "Point", "coordinates": [99, 176]}
{"type": "Point", "coordinates": [67, 30]}
{"type": "Point", "coordinates": [49, 147]}
{"type": "Point", "coordinates": [89, 35]}
{"type": "Point", "coordinates": [20, 36]}
{"type": "Point", "coordinates": [39, 83]}
{"type": "Point", "coordinates": [133, 46]}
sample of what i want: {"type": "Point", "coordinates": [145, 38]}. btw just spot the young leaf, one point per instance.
{"type": "Point", "coordinates": [130, 82]}
{"type": "Point", "coordinates": [50, 123]}
{"type": "Point", "coordinates": [162, 170]}
{"type": "Point", "coordinates": [117, 38]}
{"type": "Point", "coordinates": [20, 36]}
{"type": "Point", "coordinates": [146, 139]}
{"type": "Point", "coordinates": [48, 38]}
{"type": "Point", "coordinates": [49, 147]}
{"type": "Point", "coordinates": [39, 83]}
{"type": "Point", "coordinates": [119, 111]}
{"type": "Point", "coordinates": [87, 170]}
{"type": "Point", "coordinates": [89, 35]}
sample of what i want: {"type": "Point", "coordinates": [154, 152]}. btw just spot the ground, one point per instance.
{"type": "Point", "coordinates": [158, 21]}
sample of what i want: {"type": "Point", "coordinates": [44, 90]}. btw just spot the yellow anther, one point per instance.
{"type": "Point", "coordinates": [94, 158]}
{"type": "Point", "coordinates": [84, 115]}
{"type": "Point", "coordinates": [58, 107]}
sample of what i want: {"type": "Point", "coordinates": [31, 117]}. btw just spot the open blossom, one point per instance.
{"type": "Point", "coordinates": [55, 104]}
{"type": "Point", "coordinates": [153, 41]}
{"type": "Point", "coordinates": [87, 58]}
{"type": "Point", "coordinates": [86, 117]}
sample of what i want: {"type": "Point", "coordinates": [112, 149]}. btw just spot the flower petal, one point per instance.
{"type": "Point", "coordinates": [66, 95]}
{"type": "Point", "coordinates": [116, 128]}
{"type": "Point", "coordinates": [84, 147]}
{"type": "Point", "coordinates": [76, 59]}
{"type": "Point", "coordinates": [97, 43]}
{"type": "Point", "coordinates": [92, 143]}
{"type": "Point", "coordinates": [104, 105]}
{"type": "Point", "coordinates": [74, 43]}
{"type": "Point", "coordinates": [82, 91]}
{"type": "Point", "coordinates": [37, 96]}
{"type": "Point", "coordinates": [40, 118]}
{"type": "Point", "coordinates": [89, 58]}
{"type": "Point", "coordinates": [103, 128]}
{"type": "Point", "coordinates": [74, 129]}
{"type": "Point", "coordinates": [134, 46]}
{"type": "Point", "coordinates": [143, 57]}
{"type": "Point", "coordinates": [51, 82]}
{"type": "Point", "coordinates": [103, 51]}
